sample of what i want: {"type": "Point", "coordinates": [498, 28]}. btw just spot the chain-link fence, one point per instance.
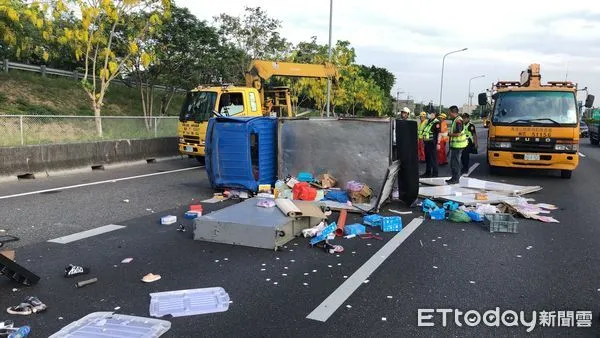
{"type": "Point", "coordinates": [42, 129]}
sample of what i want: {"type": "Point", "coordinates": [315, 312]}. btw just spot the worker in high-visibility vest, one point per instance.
{"type": "Point", "coordinates": [471, 148]}
{"type": "Point", "coordinates": [443, 140]}
{"type": "Point", "coordinates": [430, 136]}
{"type": "Point", "coordinates": [421, 145]}
{"type": "Point", "coordinates": [458, 142]}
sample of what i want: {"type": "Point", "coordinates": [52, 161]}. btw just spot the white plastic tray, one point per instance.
{"type": "Point", "coordinates": [189, 302]}
{"type": "Point", "coordinates": [108, 324]}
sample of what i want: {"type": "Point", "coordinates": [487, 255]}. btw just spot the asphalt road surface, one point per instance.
{"type": "Point", "coordinates": [440, 265]}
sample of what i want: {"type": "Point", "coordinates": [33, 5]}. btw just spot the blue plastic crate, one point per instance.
{"type": "Point", "coordinates": [354, 229]}
{"type": "Point", "coordinates": [372, 220]}
{"type": "Point", "coordinates": [324, 233]}
{"type": "Point", "coordinates": [305, 177]}
{"type": "Point", "coordinates": [392, 223]}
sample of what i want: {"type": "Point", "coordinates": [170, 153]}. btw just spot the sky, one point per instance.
{"type": "Point", "coordinates": [411, 38]}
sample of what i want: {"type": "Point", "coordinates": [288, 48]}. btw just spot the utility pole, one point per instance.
{"type": "Point", "coordinates": [329, 79]}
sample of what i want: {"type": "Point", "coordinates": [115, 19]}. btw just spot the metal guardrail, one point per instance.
{"type": "Point", "coordinates": [43, 129]}
{"type": "Point", "coordinates": [75, 75]}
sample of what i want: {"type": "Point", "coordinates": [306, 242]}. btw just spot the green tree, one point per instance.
{"type": "Point", "coordinates": [384, 80]}
{"type": "Point", "coordinates": [254, 33]}
{"type": "Point", "coordinates": [383, 77]}
{"type": "Point", "coordinates": [354, 94]}
{"type": "Point", "coordinates": [108, 37]}
{"type": "Point", "coordinates": [184, 55]}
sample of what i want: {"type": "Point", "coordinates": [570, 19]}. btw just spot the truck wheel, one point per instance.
{"type": "Point", "coordinates": [566, 173]}
{"type": "Point", "coordinates": [201, 160]}
{"type": "Point", "coordinates": [494, 170]}
{"type": "Point", "coordinates": [594, 141]}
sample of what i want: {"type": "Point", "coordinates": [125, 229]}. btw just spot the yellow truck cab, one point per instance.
{"type": "Point", "coordinates": [202, 103]}
{"type": "Point", "coordinates": [534, 125]}
{"type": "Point", "coordinates": [253, 99]}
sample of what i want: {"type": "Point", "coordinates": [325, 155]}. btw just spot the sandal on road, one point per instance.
{"type": "Point", "coordinates": [75, 270]}
{"type": "Point", "coordinates": [23, 309]}
{"type": "Point", "coordinates": [36, 304]}
{"type": "Point", "coordinates": [28, 306]}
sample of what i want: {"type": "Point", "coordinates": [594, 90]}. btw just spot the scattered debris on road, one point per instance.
{"type": "Point", "coordinates": [86, 282]}
{"type": "Point", "coordinates": [149, 278]}
{"type": "Point", "coordinates": [482, 201]}
{"type": "Point", "coordinates": [167, 220]}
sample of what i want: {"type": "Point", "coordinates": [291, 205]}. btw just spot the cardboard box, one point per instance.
{"type": "Point", "coordinates": [327, 181]}
{"type": "Point", "coordinates": [362, 196]}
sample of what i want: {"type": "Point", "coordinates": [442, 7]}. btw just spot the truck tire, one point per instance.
{"type": "Point", "coordinates": [406, 151]}
{"type": "Point", "coordinates": [566, 173]}
{"type": "Point", "coordinates": [594, 141]}
{"type": "Point", "coordinates": [492, 169]}
{"type": "Point", "coordinates": [201, 160]}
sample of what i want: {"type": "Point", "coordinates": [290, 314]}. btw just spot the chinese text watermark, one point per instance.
{"type": "Point", "coordinates": [496, 317]}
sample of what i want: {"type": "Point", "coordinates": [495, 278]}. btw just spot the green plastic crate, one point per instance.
{"type": "Point", "coordinates": [501, 223]}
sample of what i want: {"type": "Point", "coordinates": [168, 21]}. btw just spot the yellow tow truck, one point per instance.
{"type": "Point", "coordinates": [253, 99]}
{"type": "Point", "coordinates": [534, 125]}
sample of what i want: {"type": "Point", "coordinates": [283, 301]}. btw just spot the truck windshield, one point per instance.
{"type": "Point", "coordinates": [550, 108]}
{"type": "Point", "coordinates": [198, 106]}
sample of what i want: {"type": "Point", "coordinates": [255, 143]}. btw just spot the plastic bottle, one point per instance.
{"type": "Point", "coordinates": [23, 331]}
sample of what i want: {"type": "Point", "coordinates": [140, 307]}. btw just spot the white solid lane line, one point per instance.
{"type": "Point", "coordinates": [473, 167]}
{"type": "Point", "coordinates": [85, 234]}
{"type": "Point", "coordinates": [114, 180]}
{"type": "Point", "coordinates": [344, 291]}
{"type": "Point", "coordinates": [581, 154]}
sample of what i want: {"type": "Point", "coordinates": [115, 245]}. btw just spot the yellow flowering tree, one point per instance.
{"type": "Point", "coordinates": [109, 36]}
{"type": "Point", "coordinates": [18, 22]}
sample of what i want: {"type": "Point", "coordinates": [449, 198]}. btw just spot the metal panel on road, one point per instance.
{"type": "Point", "coordinates": [348, 149]}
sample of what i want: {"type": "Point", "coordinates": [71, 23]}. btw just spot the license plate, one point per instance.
{"type": "Point", "coordinates": [532, 157]}
{"type": "Point", "coordinates": [189, 149]}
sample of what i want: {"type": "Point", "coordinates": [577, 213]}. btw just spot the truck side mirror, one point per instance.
{"type": "Point", "coordinates": [482, 99]}
{"type": "Point", "coordinates": [589, 101]}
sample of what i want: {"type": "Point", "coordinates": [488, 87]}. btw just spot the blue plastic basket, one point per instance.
{"type": "Point", "coordinates": [354, 229]}
{"type": "Point", "coordinates": [372, 220]}
{"type": "Point", "coordinates": [392, 223]}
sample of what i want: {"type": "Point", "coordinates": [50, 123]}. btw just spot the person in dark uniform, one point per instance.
{"type": "Point", "coordinates": [430, 136]}
{"type": "Point", "coordinates": [473, 145]}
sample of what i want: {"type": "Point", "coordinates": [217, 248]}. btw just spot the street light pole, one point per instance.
{"type": "Point", "coordinates": [442, 81]}
{"type": "Point", "coordinates": [469, 96]}
{"type": "Point", "coordinates": [329, 79]}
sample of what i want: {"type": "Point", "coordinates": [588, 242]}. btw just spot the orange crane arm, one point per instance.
{"type": "Point", "coordinates": [261, 70]}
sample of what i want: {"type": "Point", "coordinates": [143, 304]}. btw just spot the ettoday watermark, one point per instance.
{"type": "Point", "coordinates": [509, 318]}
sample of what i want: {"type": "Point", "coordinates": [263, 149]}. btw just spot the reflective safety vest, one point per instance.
{"type": "Point", "coordinates": [427, 133]}
{"type": "Point", "coordinates": [458, 142]}
{"type": "Point", "coordinates": [444, 130]}
{"type": "Point", "coordinates": [420, 129]}
{"type": "Point", "coordinates": [467, 128]}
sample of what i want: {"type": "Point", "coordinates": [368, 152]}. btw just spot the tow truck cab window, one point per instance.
{"type": "Point", "coordinates": [252, 98]}
{"type": "Point", "coordinates": [198, 106]}
{"type": "Point", "coordinates": [231, 104]}
{"type": "Point", "coordinates": [535, 107]}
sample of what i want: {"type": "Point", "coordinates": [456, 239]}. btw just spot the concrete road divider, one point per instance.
{"type": "Point", "coordinates": [45, 158]}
